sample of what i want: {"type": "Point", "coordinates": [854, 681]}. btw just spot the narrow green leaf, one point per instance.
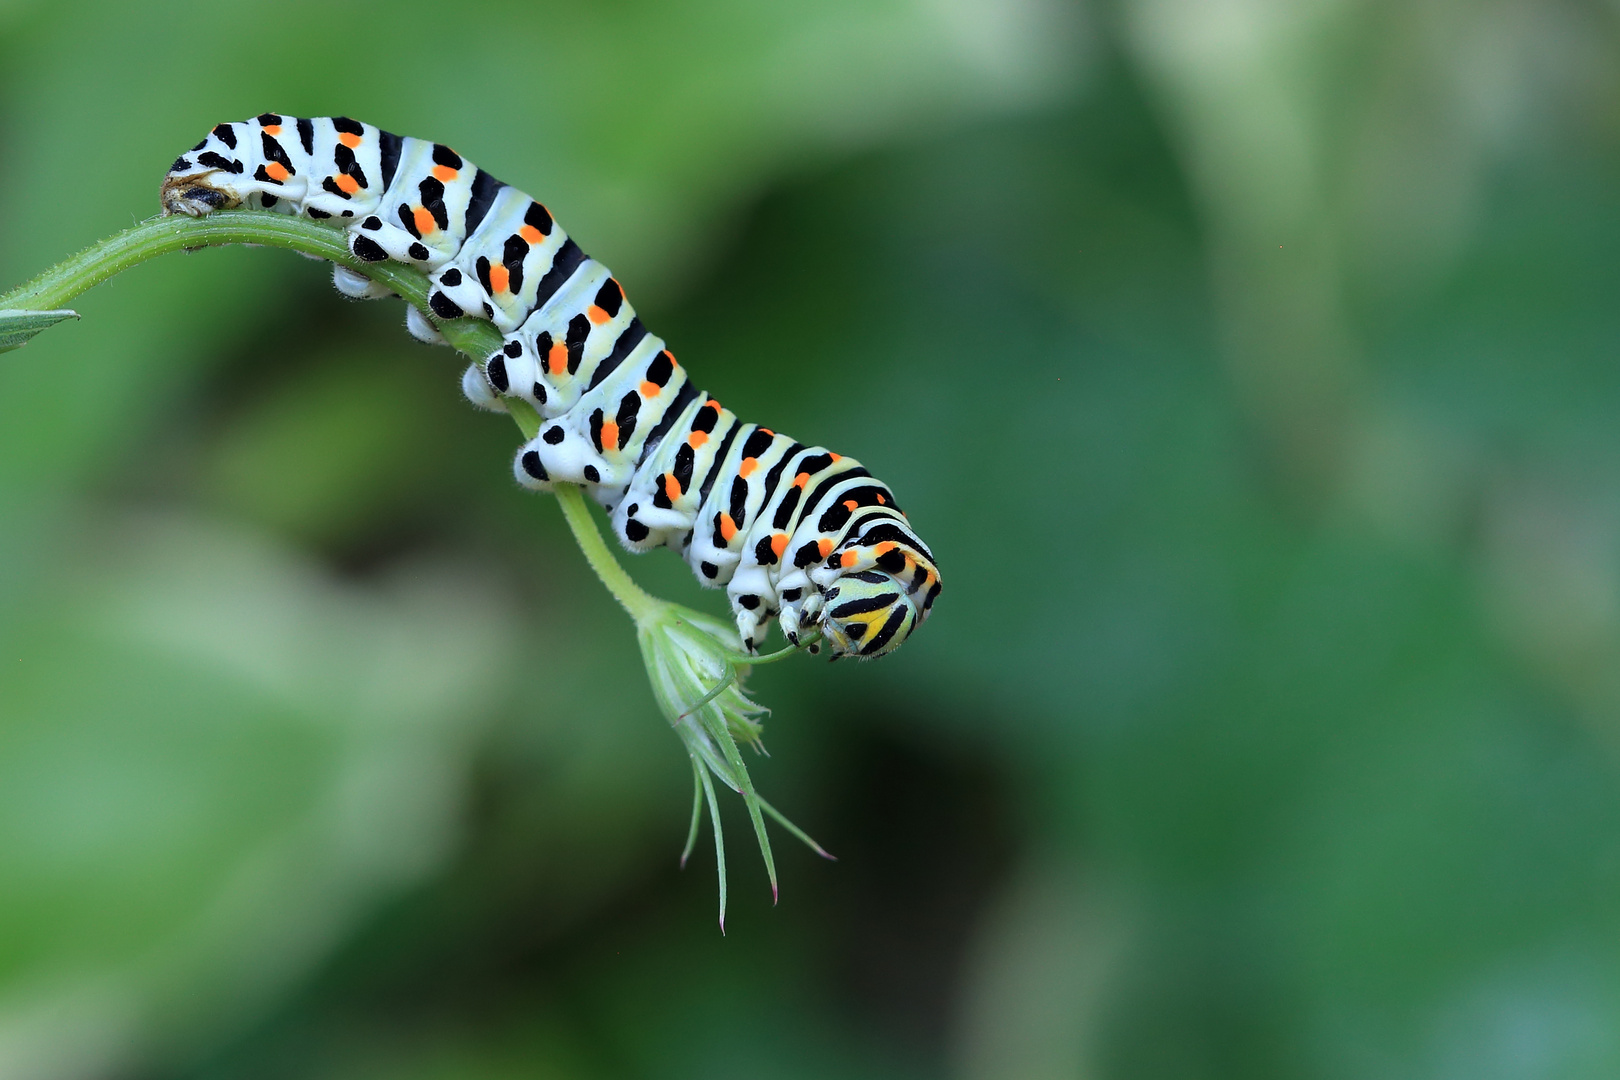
{"type": "Point", "coordinates": [697, 811]}
{"type": "Point", "coordinates": [16, 327]}
{"type": "Point", "coordinates": [796, 831]}
{"type": "Point", "coordinates": [720, 688]}
{"type": "Point", "coordinates": [719, 842]}
{"type": "Point", "coordinates": [751, 800]}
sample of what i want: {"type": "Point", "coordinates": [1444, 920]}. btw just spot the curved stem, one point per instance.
{"type": "Point", "coordinates": [630, 596]}
{"type": "Point", "coordinates": [474, 337]}
{"type": "Point", "coordinates": [162, 235]}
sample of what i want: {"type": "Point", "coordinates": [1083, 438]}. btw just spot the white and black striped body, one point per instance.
{"type": "Point", "coordinates": [789, 530]}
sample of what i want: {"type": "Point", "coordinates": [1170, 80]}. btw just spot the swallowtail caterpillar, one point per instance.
{"type": "Point", "coordinates": [790, 531]}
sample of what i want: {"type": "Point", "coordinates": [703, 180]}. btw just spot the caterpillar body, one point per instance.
{"type": "Point", "coordinates": [790, 531]}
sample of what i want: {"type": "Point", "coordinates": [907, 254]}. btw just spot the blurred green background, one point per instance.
{"type": "Point", "coordinates": [1252, 366]}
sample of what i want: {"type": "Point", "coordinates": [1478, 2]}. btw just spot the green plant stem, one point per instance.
{"type": "Point", "coordinates": [162, 235]}
{"type": "Point", "coordinates": [630, 596]}
{"type": "Point", "coordinates": [473, 337]}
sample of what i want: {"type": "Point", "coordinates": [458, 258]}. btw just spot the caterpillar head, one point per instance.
{"type": "Point", "coordinates": [874, 590]}
{"type": "Point", "coordinates": [867, 614]}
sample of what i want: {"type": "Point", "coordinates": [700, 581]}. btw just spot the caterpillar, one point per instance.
{"type": "Point", "coordinates": [791, 531]}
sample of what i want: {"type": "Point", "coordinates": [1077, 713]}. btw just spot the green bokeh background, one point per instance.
{"type": "Point", "coordinates": [1252, 366]}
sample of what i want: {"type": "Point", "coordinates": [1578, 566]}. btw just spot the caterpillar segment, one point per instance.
{"type": "Point", "coordinates": [791, 532]}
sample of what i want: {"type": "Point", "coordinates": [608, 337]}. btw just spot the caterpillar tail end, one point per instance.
{"type": "Point", "coordinates": [193, 196]}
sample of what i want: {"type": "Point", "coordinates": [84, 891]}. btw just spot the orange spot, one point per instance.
{"type": "Point", "coordinates": [276, 171]}
{"type": "Point", "coordinates": [444, 173]}
{"type": "Point", "coordinates": [768, 431]}
{"type": "Point", "coordinates": [697, 439]}
{"type": "Point", "coordinates": [347, 183]}
{"type": "Point", "coordinates": [424, 221]}
{"type": "Point", "coordinates": [610, 435]}
{"type": "Point", "coordinates": [672, 488]}
{"type": "Point", "coordinates": [531, 235]}
{"type": "Point", "coordinates": [826, 546]}
{"type": "Point", "coordinates": [649, 389]}
{"type": "Point", "coordinates": [597, 315]}
{"type": "Point", "coordinates": [884, 548]}
{"type": "Point", "coordinates": [836, 457]}
{"type": "Point", "coordinates": [728, 528]}
{"type": "Point", "coordinates": [272, 129]}
{"type": "Point", "coordinates": [849, 559]}
{"type": "Point", "coordinates": [557, 359]}
{"type": "Point", "coordinates": [748, 466]}
{"type": "Point", "coordinates": [713, 404]}
{"type": "Point", "coordinates": [779, 544]}
{"type": "Point", "coordinates": [851, 504]}
{"type": "Point", "coordinates": [881, 500]}
{"type": "Point", "coordinates": [349, 140]}
{"type": "Point", "coordinates": [801, 480]}
{"type": "Point", "coordinates": [499, 279]}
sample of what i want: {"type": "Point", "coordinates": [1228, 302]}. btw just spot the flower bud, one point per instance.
{"type": "Point", "coordinates": [695, 665]}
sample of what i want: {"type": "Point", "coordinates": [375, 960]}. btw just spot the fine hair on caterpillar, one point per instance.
{"type": "Point", "coordinates": [792, 532]}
